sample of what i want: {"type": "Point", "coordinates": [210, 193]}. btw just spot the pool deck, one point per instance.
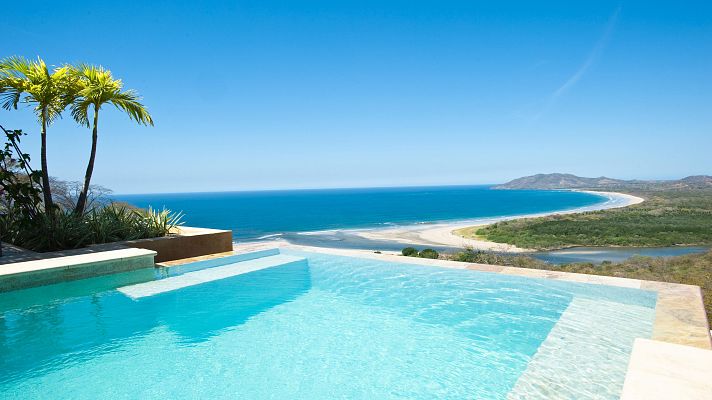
{"type": "Point", "coordinates": [72, 265]}
{"type": "Point", "coordinates": [659, 370]}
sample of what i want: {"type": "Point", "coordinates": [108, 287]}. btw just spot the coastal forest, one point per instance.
{"type": "Point", "coordinates": [674, 213]}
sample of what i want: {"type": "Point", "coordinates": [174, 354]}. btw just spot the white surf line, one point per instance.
{"type": "Point", "coordinates": [146, 289]}
{"type": "Point", "coordinates": [441, 233]}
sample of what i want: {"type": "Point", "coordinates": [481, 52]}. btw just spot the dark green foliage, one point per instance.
{"type": "Point", "coordinates": [108, 224]}
{"type": "Point", "coordinates": [425, 253]}
{"type": "Point", "coordinates": [19, 185]}
{"type": "Point", "coordinates": [410, 252]}
{"type": "Point", "coordinates": [428, 253]}
{"type": "Point", "coordinates": [481, 257]}
{"type": "Point", "coordinates": [26, 223]}
{"type": "Point", "coordinates": [666, 218]}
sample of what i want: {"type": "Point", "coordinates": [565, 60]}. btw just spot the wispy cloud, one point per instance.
{"type": "Point", "coordinates": [592, 57]}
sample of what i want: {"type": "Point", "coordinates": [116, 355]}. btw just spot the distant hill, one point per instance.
{"type": "Point", "coordinates": [569, 181]}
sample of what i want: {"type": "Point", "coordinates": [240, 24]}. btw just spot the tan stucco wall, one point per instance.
{"type": "Point", "coordinates": [188, 242]}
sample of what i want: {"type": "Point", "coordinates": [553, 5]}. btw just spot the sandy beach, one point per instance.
{"type": "Point", "coordinates": [441, 234]}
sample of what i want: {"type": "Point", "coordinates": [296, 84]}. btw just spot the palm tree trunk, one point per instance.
{"type": "Point", "coordinates": [46, 191]}
{"type": "Point", "coordinates": [82, 201]}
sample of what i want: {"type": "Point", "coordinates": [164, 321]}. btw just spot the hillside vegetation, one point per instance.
{"type": "Point", "coordinates": [674, 213]}
{"type": "Point", "coordinates": [569, 181]}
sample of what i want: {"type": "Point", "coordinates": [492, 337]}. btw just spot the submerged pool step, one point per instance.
{"type": "Point", "coordinates": [206, 275]}
{"type": "Point", "coordinates": [588, 345]}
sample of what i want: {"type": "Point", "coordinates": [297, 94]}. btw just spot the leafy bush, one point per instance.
{"type": "Point", "coordinates": [481, 257]}
{"type": "Point", "coordinates": [19, 184]}
{"type": "Point", "coordinates": [428, 253]}
{"type": "Point", "coordinates": [112, 223]}
{"type": "Point", "coordinates": [410, 252]}
{"type": "Point", "coordinates": [425, 253]}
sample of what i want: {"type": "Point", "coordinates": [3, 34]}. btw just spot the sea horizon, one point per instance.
{"type": "Point", "coordinates": [311, 189]}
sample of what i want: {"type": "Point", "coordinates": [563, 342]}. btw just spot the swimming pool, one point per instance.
{"type": "Point", "coordinates": [317, 326]}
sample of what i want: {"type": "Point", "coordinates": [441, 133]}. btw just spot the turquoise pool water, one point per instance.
{"type": "Point", "coordinates": [323, 328]}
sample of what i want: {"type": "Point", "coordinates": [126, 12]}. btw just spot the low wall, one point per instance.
{"type": "Point", "coordinates": [47, 271]}
{"type": "Point", "coordinates": [187, 242]}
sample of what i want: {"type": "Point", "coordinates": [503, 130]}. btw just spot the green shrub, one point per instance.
{"type": "Point", "coordinates": [410, 252]}
{"type": "Point", "coordinates": [428, 253]}
{"type": "Point", "coordinates": [112, 223]}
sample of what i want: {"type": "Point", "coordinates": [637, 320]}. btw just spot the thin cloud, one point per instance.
{"type": "Point", "coordinates": [593, 56]}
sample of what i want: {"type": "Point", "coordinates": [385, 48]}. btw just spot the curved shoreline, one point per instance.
{"type": "Point", "coordinates": [441, 234]}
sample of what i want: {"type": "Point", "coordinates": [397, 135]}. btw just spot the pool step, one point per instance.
{"type": "Point", "coordinates": [206, 275]}
{"type": "Point", "coordinates": [587, 345]}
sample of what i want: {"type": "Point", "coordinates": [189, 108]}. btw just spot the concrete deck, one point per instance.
{"type": "Point", "coordinates": [46, 271]}
{"type": "Point", "coordinates": [183, 243]}
{"type": "Point", "coordinates": [664, 371]}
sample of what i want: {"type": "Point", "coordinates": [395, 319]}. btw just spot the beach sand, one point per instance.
{"type": "Point", "coordinates": [441, 234]}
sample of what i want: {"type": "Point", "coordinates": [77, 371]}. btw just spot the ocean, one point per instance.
{"type": "Point", "coordinates": [262, 215]}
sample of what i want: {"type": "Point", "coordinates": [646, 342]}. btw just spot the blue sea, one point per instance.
{"type": "Point", "coordinates": [267, 214]}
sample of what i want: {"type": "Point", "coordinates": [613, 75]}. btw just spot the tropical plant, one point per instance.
{"type": "Point", "coordinates": [410, 252]}
{"type": "Point", "coordinates": [19, 183]}
{"type": "Point", "coordinates": [96, 87]}
{"type": "Point", "coordinates": [428, 253]}
{"type": "Point", "coordinates": [112, 223]}
{"type": "Point", "coordinates": [425, 253]}
{"type": "Point", "coordinates": [50, 92]}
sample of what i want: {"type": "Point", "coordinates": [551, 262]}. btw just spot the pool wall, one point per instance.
{"type": "Point", "coordinates": [42, 272]}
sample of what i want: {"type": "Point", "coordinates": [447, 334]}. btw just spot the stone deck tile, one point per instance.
{"type": "Point", "coordinates": [665, 371]}
{"type": "Point", "coordinates": [680, 314]}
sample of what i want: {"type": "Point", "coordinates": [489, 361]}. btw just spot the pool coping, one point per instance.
{"type": "Point", "coordinates": [73, 266]}
{"type": "Point", "coordinates": [661, 371]}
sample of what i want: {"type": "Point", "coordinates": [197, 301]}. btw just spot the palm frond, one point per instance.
{"type": "Point", "coordinates": [129, 102]}
{"type": "Point", "coordinates": [15, 66]}
{"type": "Point", "coordinates": [97, 86]}
{"type": "Point", "coordinates": [80, 111]}
{"type": "Point", "coordinates": [9, 97]}
{"type": "Point", "coordinates": [50, 91]}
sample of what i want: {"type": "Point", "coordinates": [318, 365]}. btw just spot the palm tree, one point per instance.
{"type": "Point", "coordinates": [96, 88]}
{"type": "Point", "coordinates": [31, 82]}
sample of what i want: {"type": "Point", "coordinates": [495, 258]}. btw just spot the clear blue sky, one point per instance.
{"type": "Point", "coordinates": [292, 94]}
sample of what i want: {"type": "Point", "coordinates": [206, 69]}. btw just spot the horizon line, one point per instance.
{"type": "Point", "coordinates": [307, 189]}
